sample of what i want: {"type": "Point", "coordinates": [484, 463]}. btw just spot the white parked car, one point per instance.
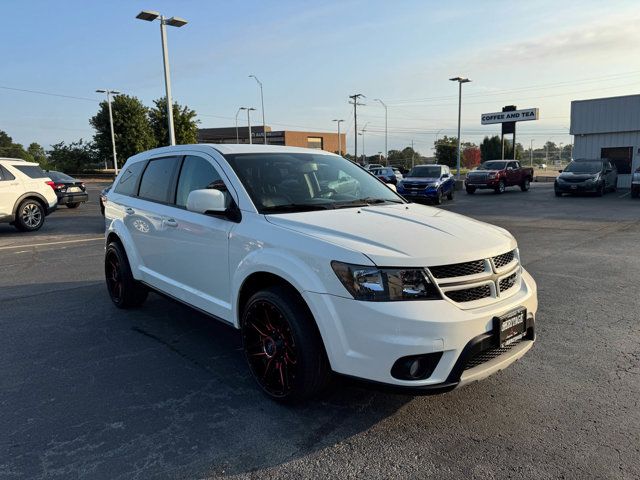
{"type": "Point", "coordinates": [361, 283]}
{"type": "Point", "coordinates": [26, 194]}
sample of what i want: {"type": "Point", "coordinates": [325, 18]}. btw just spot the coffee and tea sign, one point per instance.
{"type": "Point", "coordinates": [512, 116]}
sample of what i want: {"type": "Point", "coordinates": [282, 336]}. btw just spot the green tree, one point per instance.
{"type": "Point", "coordinates": [131, 127]}
{"type": "Point", "coordinates": [404, 158]}
{"type": "Point", "coordinates": [184, 123]}
{"type": "Point", "coordinates": [5, 140]}
{"type": "Point", "coordinates": [447, 151]}
{"type": "Point", "coordinates": [75, 157]}
{"type": "Point", "coordinates": [491, 148]}
{"type": "Point", "coordinates": [38, 154]}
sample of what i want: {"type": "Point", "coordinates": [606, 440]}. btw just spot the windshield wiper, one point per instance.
{"type": "Point", "coordinates": [363, 202]}
{"type": "Point", "coordinates": [297, 207]}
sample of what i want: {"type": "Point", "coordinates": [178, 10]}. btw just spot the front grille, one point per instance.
{"type": "Point", "coordinates": [414, 185]}
{"type": "Point", "coordinates": [508, 282]}
{"type": "Point", "coordinates": [504, 259]}
{"type": "Point", "coordinates": [469, 294]}
{"type": "Point", "coordinates": [458, 269]}
{"type": "Point", "coordinates": [489, 354]}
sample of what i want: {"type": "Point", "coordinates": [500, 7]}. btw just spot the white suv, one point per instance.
{"type": "Point", "coordinates": [26, 194]}
{"type": "Point", "coordinates": [321, 266]}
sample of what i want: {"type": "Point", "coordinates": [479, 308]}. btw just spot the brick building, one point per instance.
{"type": "Point", "coordinates": [320, 140]}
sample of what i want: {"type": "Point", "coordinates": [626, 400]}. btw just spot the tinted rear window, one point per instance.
{"type": "Point", "coordinates": [157, 180]}
{"type": "Point", "coordinates": [128, 183]}
{"type": "Point", "coordinates": [32, 171]}
{"type": "Point", "coordinates": [60, 177]}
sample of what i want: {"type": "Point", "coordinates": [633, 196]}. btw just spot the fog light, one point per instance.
{"type": "Point", "coordinates": [416, 367]}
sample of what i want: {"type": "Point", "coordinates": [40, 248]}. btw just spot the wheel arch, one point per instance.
{"type": "Point", "coordinates": [31, 196]}
{"type": "Point", "coordinates": [116, 230]}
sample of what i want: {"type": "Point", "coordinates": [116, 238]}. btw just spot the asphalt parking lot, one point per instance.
{"type": "Point", "coordinates": [89, 391]}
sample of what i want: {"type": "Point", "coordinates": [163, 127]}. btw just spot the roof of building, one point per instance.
{"type": "Point", "coordinates": [605, 115]}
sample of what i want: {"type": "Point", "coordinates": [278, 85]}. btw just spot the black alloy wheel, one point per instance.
{"type": "Point", "coordinates": [124, 290]}
{"type": "Point", "coordinates": [438, 199]}
{"type": "Point", "coordinates": [282, 345]}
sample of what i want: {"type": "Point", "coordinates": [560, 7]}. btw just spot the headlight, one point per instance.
{"type": "Point", "coordinates": [492, 175]}
{"type": "Point", "coordinates": [375, 284]}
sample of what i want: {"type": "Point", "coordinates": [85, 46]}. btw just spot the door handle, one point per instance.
{"type": "Point", "coordinates": [129, 211]}
{"type": "Point", "coordinates": [170, 222]}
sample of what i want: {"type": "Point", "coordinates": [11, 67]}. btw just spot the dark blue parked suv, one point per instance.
{"type": "Point", "coordinates": [428, 182]}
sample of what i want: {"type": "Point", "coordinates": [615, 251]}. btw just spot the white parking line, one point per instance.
{"type": "Point", "coordinates": [93, 239]}
{"type": "Point", "coordinates": [624, 195]}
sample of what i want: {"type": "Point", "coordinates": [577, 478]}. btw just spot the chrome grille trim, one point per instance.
{"type": "Point", "coordinates": [478, 282]}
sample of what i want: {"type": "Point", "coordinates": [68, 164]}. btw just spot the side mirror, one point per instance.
{"type": "Point", "coordinates": [206, 201]}
{"type": "Point", "coordinates": [559, 171]}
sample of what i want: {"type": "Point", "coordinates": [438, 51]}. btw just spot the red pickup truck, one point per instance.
{"type": "Point", "coordinates": [497, 175]}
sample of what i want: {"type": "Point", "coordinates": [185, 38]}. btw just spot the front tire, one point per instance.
{"type": "Point", "coordinates": [438, 199]}
{"type": "Point", "coordinates": [282, 345]}
{"type": "Point", "coordinates": [600, 191]}
{"type": "Point", "coordinates": [501, 187]}
{"type": "Point", "coordinates": [471, 190]}
{"type": "Point", "coordinates": [29, 216]}
{"type": "Point", "coordinates": [451, 193]}
{"type": "Point", "coordinates": [124, 290]}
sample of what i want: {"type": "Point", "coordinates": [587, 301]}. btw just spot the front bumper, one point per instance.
{"type": "Point", "coordinates": [66, 198]}
{"type": "Point", "coordinates": [365, 339]}
{"type": "Point", "coordinates": [489, 183]}
{"type": "Point", "coordinates": [582, 187]}
{"type": "Point", "coordinates": [429, 192]}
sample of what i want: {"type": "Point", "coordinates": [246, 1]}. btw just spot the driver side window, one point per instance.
{"type": "Point", "coordinates": [197, 174]}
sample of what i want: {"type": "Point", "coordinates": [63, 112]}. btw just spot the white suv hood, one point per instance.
{"type": "Point", "coordinates": [402, 235]}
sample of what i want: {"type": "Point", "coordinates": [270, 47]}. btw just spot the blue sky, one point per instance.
{"type": "Point", "coordinates": [312, 55]}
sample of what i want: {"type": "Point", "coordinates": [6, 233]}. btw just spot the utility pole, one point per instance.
{"type": "Point", "coordinates": [339, 137]}
{"type": "Point", "coordinates": [355, 102]}
{"type": "Point", "coordinates": [413, 155]}
{"type": "Point", "coordinates": [364, 155]}
{"type": "Point", "coordinates": [560, 153]}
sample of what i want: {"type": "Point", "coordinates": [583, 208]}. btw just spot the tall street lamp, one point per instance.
{"type": "Point", "coordinates": [386, 148]}
{"type": "Point", "coordinates": [339, 138]}
{"type": "Point", "coordinates": [237, 113]}
{"type": "Point", "coordinates": [364, 155]}
{"type": "Point", "coordinates": [460, 81]}
{"type": "Point", "coordinates": [264, 124]}
{"type": "Point", "coordinates": [249, 110]}
{"type": "Point", "coordinates": [113, 136]}
{"type": "Point", "coordinates": [150, 16]}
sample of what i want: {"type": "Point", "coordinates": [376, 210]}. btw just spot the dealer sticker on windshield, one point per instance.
{"type": "Point", "coordinates": [512, 326]}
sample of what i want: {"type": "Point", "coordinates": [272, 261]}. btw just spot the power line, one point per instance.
{"type": "Point", "coordinates": [50, 94]}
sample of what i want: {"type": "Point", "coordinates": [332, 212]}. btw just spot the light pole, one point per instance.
{"type": "Point", "coordinates": [460, 81]}
{"type": "Point", "coordinates": [339, 138]}
{"type": "Point", "coordinates": [237, 113]}
{"type": "Point", "coordinates": [249, 110]}
{"type": "Point", "coordinates": [560, 153]}
{"type": "Point", "coordinates": [264, 125]}
{"type": "Point", "coordinates": [364, 129]}
{"type": "Point", "coordinates": [386, 148]}
{"type": "Point", "coordinates": [113, 136]}
{"type": "Point", "coordinates": [150, 16]}
{"type": "Point", "coordinates": [531, 151]}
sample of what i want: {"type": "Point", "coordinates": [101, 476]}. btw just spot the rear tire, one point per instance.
{"type": "Point", "coordinates": [471, 190]}
{"type": "Point", "coordinates": [73, 205]}
{"type": "Point", "coordinates": [124, 290]}
{"type": "Point", "coordinates": [282, 345]}
{"type": "Point", "coordinates": [635, 193]}
{"type": "Point", "coordinates": [526, 184]}
{"type": "Point", "coordinates": [29, 216]}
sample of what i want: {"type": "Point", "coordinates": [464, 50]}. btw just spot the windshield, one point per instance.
{"type": "Point", "coordinates": [493, 165]}
{"type": "Point", "coordinates": [290, 182]}
{"type": "Point", "coordinates": [424, 171]}
{"type": "Point", "coordinates": [584, 167]}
